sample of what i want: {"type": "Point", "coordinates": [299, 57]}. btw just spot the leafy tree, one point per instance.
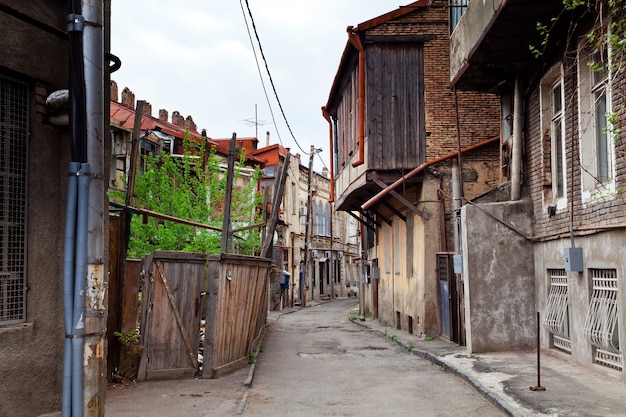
{"type": "Point", "coordinates": [188, 188]}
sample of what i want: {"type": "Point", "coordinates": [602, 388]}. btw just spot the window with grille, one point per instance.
{"type": "Point", "coordinates": [13, 153]}
{"type": "Point", "coordinates": [602, 323]}
{"type": "Point", "coordinates": [556, 315]}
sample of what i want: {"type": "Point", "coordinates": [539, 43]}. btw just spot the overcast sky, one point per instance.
{"type": "Point", "coordinates": [196, 57]}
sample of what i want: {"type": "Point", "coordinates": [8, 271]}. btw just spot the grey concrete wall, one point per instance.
{"type": "Point", "coordinates": [32, 353]}
{"type": "Point", "coordinates": [477, 17]}
{"type": "Point", "coordinates": [601, 251]}
{"type": "Point", "coordinates": [499, 277]}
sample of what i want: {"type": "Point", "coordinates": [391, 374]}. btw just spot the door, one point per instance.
{"type": "Point", "coordinates": [171, 312]}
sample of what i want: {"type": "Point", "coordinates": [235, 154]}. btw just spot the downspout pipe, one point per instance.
{"type": "Point", "coordinates": [355, 40]}
{"type": "Point", "coordinates": [68, 284]}
{"type": "Point", "coordinates": [78, 313]}
{"type": "Point", "coordinates": [516, 154]}
{"type": "Point", "coordinates": [369, 203]}
{"type": "Point", "coordinates": [332, 147]}
{"type": "Point", "coordinates": [94, 177]}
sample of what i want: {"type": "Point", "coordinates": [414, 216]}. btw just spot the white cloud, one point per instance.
{"type": "Point", "coordinates": [196, 57]}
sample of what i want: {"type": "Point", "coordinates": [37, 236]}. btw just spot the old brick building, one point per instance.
{"type": "Point", "coordinates": [397, 128]}
{"type": "Point", "coordinates": [556, 246]}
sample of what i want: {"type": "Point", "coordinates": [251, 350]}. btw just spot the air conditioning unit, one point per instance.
{"type": "Point", "coordinates": [303, 211]}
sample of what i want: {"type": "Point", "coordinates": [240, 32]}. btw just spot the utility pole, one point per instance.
{"type": "Point", "coordinates": [306, 225]}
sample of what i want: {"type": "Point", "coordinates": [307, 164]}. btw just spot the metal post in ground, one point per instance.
{"type": "Point", "coordinates": [538, 387]}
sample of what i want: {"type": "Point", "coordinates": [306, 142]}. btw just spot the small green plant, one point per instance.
{"type": "Point", "coordinates": [261, 348]}
{"type": "Point", "coordinates": [252, 357]}
{"type": "Point", "coordinates": [410, 347]}
{"type": "Point", "coordinates": [130, 342]}
{"type": "Point", "coordinates": [393, 337]}
{"type": "Point", "coordinates": [352, 318]}
{"type": "Point", "coordinates": [429, 338]}
{"type": "Point", "coordinates": [443, 368]}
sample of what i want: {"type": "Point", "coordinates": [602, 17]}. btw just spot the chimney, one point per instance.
{"type": "Point", "coordinates": [190, 124]}
{"type": "Point", "coordinates": [177, 119]}
{"type": "Point", "coordinates": [325, 172]}
{"type": "Point", "coordinates": [114, 91]}
{"type": "Point", "coordinates": [267, 138]}
{"type": "Point", "coordinates": [128, 98]}
{"type": "Point", "coordinates": [163, 115]}
{"type": "Point", "coordinates": [147, 109]}
{"type": "Point", "coordinates": [299, 158]}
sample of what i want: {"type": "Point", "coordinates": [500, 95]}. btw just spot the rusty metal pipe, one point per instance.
{"type": "Point", "coordinates": [331, 147]}
{"type": "Point", "coordinates": [355, 40]}
{"type": "Point", "coordinates": [369, 203]}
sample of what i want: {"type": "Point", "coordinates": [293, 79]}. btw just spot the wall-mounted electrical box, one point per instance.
{"type": "Point", "coordinates": [458, 264]}
{"type": "Point", "coordinates": [574, 259]}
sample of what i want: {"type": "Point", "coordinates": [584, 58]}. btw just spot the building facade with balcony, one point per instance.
{"type": "Point", "coordinates": [398, 134]}
{"type": "Point", "coordinates": [556, 245]}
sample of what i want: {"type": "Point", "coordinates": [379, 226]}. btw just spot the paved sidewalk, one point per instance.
{"type": "Point", "coordinates": [506, 377]}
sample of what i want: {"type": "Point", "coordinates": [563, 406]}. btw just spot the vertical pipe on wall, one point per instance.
{"type": "Point", "coordinates": [355, 40]}
{"type": "Point", "coordinates": [516, 156]}
{"type": "Point", "coordinates": [94, 301]}
{"type": "Point", "coordinates": [68, 285]}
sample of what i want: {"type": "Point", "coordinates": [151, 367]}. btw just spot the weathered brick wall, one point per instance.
{"type": "Point", "coordinates": [479, 113]}
{"type": "Point", "coordinates": [610, 210]}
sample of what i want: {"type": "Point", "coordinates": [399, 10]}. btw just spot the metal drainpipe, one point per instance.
{"type": "Point", "coordinates": [516, 156]}
{"type": "Point", "coordinates": [355, 40]}
{"type": "Point", "coordinates": [95, 311]}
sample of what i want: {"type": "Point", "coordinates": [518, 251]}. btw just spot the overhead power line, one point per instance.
{"type": "Point", "coordinates": [256, 34]}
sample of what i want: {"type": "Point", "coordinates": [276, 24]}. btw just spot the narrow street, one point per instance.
{"type": "Point", "coordinates": [315, 362]}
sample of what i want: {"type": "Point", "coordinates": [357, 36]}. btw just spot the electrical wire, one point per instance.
{"type": "Point", "coordinates": [256, 59]}
{"type": "Point", "coordinates": [256, 34]}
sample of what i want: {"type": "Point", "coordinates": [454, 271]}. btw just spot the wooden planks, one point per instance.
{"type": "Point", "coordinates": [240, 311]}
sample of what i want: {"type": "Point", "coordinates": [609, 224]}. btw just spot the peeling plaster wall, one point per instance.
{"type": "Point", "coordinates": [408, 285]}
{"type": "Point", "coordinates": [499, 277]}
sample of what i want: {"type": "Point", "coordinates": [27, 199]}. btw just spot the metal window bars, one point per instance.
{"type": "Point", "coordinates": [13, 156]}
{"type": "Point", "coordinates": [555, 318]}
{"type": "Point", "coordinates": [457, 8]}
{"type": "Point", "coordinates": [601, 324]}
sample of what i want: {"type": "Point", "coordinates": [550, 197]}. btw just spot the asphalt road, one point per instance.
{"type": "Point", "coordinates": [315, 362]}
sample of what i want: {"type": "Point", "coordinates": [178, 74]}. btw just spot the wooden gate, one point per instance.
{"type": "Point", "coordinates": [171, 311]}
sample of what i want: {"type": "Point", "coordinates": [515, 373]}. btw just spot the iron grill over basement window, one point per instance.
{"type": "Point", "coordinates": [602, 323]}
{"type": "Point", "coordinates": [13, 153]}
{"type": "Point", "coordinates": [556, 316]}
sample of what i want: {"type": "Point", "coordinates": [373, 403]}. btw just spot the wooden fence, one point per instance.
{"type": "Point", "coordinates": [238, 298]}
{"type": "Point", "coordinates": [228, 292]}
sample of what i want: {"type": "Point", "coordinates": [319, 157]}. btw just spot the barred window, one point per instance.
{"type": "Point", "coordinates": [602, 323]}
{"type": "Point", "coordinates": [556, 316]}
{"type": "Point", "coordinates": [13, 153]}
